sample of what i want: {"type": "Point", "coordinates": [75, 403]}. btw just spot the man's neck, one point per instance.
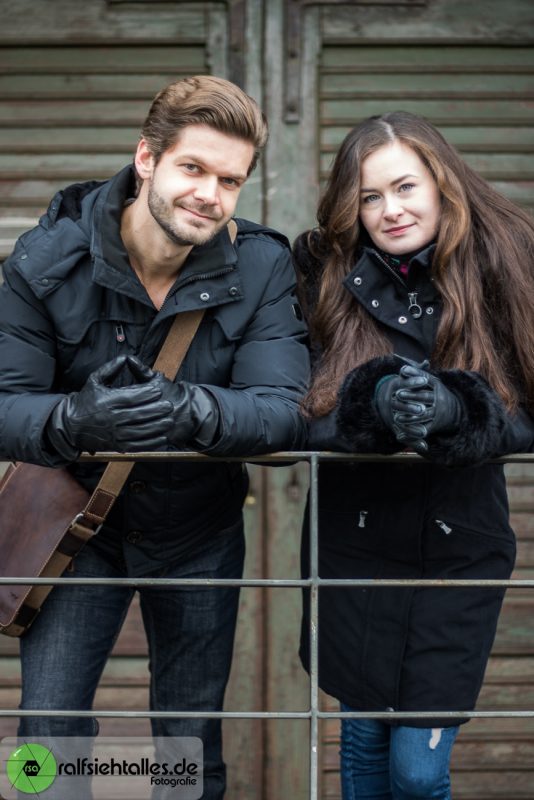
{"type": "Point", "coordinates": [154, 258]}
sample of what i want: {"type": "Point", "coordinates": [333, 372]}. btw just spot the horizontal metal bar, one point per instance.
{"type": "Point", "coordinates": [271, 583]}
{"type": "Point", "coordinates": [283, 456]}
{"type": "Point", "coordinates": [115, 713]}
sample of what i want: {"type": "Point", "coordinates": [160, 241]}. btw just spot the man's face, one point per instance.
{"type": "Point", "coordinates": [193, 189]}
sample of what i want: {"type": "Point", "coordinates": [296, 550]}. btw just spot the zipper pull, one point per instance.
{"type": "Point", "coordinates": [444, 527]}
{"type": "Point", "coordinates": [119, 334]}
{"type": "Point", "coordinates": [361, 523]}
{"type": "Point", "coordinates": [414, 308]}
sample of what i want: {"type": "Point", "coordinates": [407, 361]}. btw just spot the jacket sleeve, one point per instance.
{"type": "Point", "coordinates": [259, 411]}
{"type": "Point", "coordinates": [486, 429]}
{"type": "Point", "coordinates": [27, 372]}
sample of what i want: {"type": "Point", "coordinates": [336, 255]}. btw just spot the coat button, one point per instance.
{"type": "Point", "coordinates": [403, 320]}
{"type": "Point", "coordinates": [45, 281]}
{"type": "Point", "coordinates": [137, 487]}
{"type": "Point", "coordinates": [390, 708]}
{"type": "Point", "coordinates": [23, 257]}
{"type": "Point", "coordinates": [430, 310]}
{"type": "Point", "coordinates": [204, 296]}
{"type": "Point", "coordinates": [357, 281]}
{"type": "Point", "coordinates": [375, 303]}
{"type": "Point", "coordinates": [233, 290]}
{"type": "Point", "coordinates": [134, 536]}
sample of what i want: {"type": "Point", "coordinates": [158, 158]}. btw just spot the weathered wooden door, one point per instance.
{"type": "Point", "coordinates": [75, 82]}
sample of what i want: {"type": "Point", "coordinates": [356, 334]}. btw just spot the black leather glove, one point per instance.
{"type": "Point", "coordinates": [193, 414]}
{"type": "Point", "coordinates": [100, 417]}
{"type": "Point", "coordinates": [395, 409]}
{"type": "Point", "coordinates": [430, 407]}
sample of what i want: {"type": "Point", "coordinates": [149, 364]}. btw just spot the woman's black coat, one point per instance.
{"type": "Point", "coordinates": [408, 649]}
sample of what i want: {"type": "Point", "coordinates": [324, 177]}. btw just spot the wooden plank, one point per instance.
{"type": "Point", "coordinates": [88, 139]}
{"type": "Point", "coordinates": [421, 58]}
{"type": "Point", "coordinates": [438, 84]}
{"type": "Point", "coordinates": [61, 167]}
{"type": "Point", "coordinates": [477, 112]}
{"type": "Point", "coordinates": [46, 85]}
{"type": "Point", "coordinates": [94, 59]}
{"type": "Point", "coordinates": [63, 20]}
{"type": "Point", "coordinates": [73, 112]}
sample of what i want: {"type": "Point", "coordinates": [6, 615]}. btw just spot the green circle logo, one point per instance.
{"type": "Point", "coordinates": [31, 768]}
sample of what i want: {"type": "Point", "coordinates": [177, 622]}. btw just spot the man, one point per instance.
{"type": "Point", "coordinates": [87, 299]}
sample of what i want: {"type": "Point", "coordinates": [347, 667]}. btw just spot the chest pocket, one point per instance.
{"type": "Point", "coordinates": [98, 342]}
{"type": "Point", "coordinates": [211, 355]}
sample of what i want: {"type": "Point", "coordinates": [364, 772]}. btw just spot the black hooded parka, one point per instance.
{"type": "Point", "coordinates": [70, 302]}
{"type": "Point", "coordinates": [408, 649]}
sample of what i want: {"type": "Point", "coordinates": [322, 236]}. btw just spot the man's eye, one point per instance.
{"type": "Point", "coordinates": [191, 167]}
{"type": "Point", "coordinates": [231, 182]}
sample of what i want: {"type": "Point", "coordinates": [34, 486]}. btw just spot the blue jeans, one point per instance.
{"type": "Point", "coordinates": [190, 633]}
{"type": "Point", "coordinates": [387, 762]}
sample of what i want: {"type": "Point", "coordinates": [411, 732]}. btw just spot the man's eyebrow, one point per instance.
{"type": "Point", "coordinates": [397, 180]}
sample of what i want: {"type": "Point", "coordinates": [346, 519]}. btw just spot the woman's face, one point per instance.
{"type": "Point", "coordinates": [400, 203]}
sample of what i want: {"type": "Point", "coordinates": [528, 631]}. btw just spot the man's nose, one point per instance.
{"type": "Point", "coordinates": [207, 190]}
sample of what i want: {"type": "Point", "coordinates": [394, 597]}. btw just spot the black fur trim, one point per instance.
{"type": "Point", "coordinates": [358, 421]}
{"type": "Point", "coordinates": [482, 424]}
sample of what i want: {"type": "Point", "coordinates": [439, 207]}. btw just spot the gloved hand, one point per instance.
{"type": "Point", "coordinates": [429, 408]}
{"type": "Point", "coordinates": [99, 417]}
{"type": "Point", "coordinates": [193, 414]}
{"type": "Point", "coordinates": [394, 409]}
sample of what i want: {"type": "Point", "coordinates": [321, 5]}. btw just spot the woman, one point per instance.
{"type": "Point", "coordinates": [418, 284]}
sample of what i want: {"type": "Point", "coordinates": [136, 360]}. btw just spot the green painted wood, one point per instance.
{"type": "Point", "coordinates": [421, 58]}
{"type": "Point", "coordinates": [95, 59]}
{"type": "Point", "coordinates": [434, 84]}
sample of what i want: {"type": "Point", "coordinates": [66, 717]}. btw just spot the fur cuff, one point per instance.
{"type": "Point", "coordinates": [481, 428]}
{"type": "Point", "coordinates": [357, 418]}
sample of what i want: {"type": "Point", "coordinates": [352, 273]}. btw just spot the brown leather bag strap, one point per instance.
{"type": "Point", "coordinates": [169, 360]}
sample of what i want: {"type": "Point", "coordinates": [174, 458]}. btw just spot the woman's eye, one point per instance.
{"type": "Point", "coordinates": [405, 187]}
{"type": "Point", "coordinates": [370, 198]}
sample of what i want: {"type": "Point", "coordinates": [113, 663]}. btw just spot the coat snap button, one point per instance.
{"type": "Point", "coordinates": [357, 281]}
{"type": "Point", "coordinates": [430, 310]}
{"type": "Point", "coordinates": [375, 303]}
{"type": "Point", "coordinates": [233, 290]}
{"type": "Point", "coordinates": [45, 281]}
{"type": "Point", "coordinates": [204, 296]}
{"type": "Point", "coordinates": [137, 487]}
{"type": "Point", "coordinates": [403, 320]}
{"type": "Point", "coordinates": [134, 536]}
{"type": "Point", "coordinates": [23, 257]}
{"type": "Point", "coordinates": [390, 708]}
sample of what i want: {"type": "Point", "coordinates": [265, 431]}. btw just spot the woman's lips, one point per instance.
{"type": "Point", "coordinates": [398, 231]}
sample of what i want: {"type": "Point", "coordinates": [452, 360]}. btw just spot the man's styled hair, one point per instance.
{"type": "Point", "coordinates": [203, 100]}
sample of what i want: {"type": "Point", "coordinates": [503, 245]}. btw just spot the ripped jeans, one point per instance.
{"type": "Point", "coordinates": [386, 762]}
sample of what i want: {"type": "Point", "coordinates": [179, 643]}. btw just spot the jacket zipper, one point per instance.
{"type": "Point", "coordinates": [204, 276]}
{"type": "Point", "coordinates": [413, 306]}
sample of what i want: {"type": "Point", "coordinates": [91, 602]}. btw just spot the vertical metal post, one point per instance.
{"type": "Point", "coordinates": [314, 624]}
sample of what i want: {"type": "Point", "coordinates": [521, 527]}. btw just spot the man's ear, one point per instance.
{"type": "Point", "coordinates": [144, 160]}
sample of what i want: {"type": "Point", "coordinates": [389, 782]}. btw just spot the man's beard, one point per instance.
{"type": "Point", "coordinates": [180, 235]}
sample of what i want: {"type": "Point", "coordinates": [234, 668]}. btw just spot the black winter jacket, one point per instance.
{"type": "Point", "coordinates": [408, 649]}
{"type": "Point", "coordinates": [71, 302]}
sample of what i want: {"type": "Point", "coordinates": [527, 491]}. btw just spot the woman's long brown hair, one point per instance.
{"type": "Point", "coordinates": [483, 267]}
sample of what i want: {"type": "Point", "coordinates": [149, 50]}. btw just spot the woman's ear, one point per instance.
{"type": "Point", "coordinates": [144, 160]}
